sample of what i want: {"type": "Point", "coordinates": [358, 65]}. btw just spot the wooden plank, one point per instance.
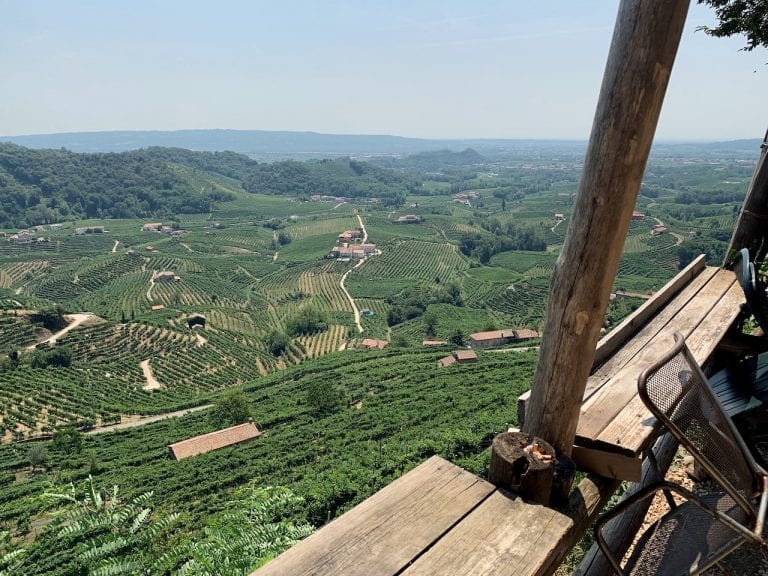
{"type": "Point", "coordinates": [607, 464]}
{"type": "Point", "coordinates": [640, 59]}
{"type": "Point", "coordinates": [386, 532]}
{"type": "Point", "coordinates": [632, 323]}
{"type": "Point", "coordinates": [502, 536]}
{"type": "Point", "coordinates": [613, 396]}
{"type": "Point", "coordinates": [634, 426]}
{"type": "Point", "coordinates": [627, 353]}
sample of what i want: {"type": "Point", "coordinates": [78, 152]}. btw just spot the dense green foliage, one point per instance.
{"type": "Point", "coordinates": [746, 17]}
{"type": "Point", "coordinates": [45, 186]}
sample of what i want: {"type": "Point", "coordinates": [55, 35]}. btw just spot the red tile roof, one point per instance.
{"type": "Point", "coordinates": [213, 440]}
{"type": "Point", "coordinates": [491, 335]}
{"type": "Point", "coordinates": [373, 343]}
{"type": "Point", "coordinates": [447, 361]}
{"type": "Point", "coordinates": [465, 355]}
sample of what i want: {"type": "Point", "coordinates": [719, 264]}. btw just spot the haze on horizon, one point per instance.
{"type": "Point", "coordinates": [432, 69]}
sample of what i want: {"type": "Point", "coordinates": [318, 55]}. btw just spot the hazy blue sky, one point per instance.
{"type": "Point", "coordinates": [507, 68]}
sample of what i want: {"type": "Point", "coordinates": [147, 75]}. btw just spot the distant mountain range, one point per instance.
{"type": "Point", "coordinates": [272, 145]}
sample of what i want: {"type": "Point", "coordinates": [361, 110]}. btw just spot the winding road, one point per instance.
{"type": "Point", "coordinates": [355, 309]}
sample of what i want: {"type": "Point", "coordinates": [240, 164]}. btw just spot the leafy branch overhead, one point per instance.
{"type": "Point", "coordinates": [746, 17]}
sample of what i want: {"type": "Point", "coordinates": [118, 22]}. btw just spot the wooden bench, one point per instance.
{"type": "Point", "coordinates": [436, 519]}
{"type": "Point", "coordinates": [614, 426]}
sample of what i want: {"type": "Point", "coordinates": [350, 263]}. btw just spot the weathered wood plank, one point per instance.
{"type": "Point", "coordinates": [647, 333]}
{"type": "Point", "coordinates": [607, 464]}
{"type": "Point", "coordinates": [604, 406]}
{"type": "Point", "coordinates": [632, 323]}
{"type": "Point", "coordinates": [504, 535]}
{"type": "Point", "coordinates": [642, 52]}
{"type": "Point", "coordinates": [634, 426]}
{"type": "Point", "coordinates": [386, 532]}
{"type": "Point", "coordinates": [752, 224]}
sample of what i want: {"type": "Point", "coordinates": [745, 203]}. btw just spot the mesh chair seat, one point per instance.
{"type": "Point", "coordinates": [686, 532]}
{"type": "Point", "coordinates": [702, 531]}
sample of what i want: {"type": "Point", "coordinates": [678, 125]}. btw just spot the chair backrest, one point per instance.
{"type": "Point", "coordinates": [754, 290]}
{"type": "Point", "coordinates": [676, 391]}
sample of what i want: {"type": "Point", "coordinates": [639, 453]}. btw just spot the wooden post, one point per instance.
{"type": "Point", "coordinates": [751, 229]}
{"type": "Point", "coordinates": [643, 49]}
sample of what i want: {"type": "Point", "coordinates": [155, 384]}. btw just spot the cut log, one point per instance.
{"type": "Point", "coordinates": [523, 465]}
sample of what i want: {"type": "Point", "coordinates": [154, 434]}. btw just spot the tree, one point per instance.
{"type": "Point", "coordinates": [747, 17]}
{"type": "Point", "coordinates": [116, 536]}
{"type": "Point", "coordinates": [11, 558]}
{"type": "Point", "coordinates": [307, 320]}
{"type": "Point", "coordinates": [232, 409]}
{"type": "Point", "coordinates": [37, 455]}
{"type": "Point", "coordinates": [457, 338]}
{"type": "Point", "coordinates": [67, 440]}
{"type": "Point", "coordinates": [323, 397]}
{"type": "Point", "coordinates": [277, 342]}
{"type": "Point", "coordinates": [430, 323]}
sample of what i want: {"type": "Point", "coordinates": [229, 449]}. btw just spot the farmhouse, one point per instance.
{"type": "Point", "coordinates": [433, 342]}
{"type": "Point", "coordinates": [156, 307]}
{"type": "Point", "coordinates": [55, 227]}
{"type": "Point", "coordinates": [152, 227]}
{"type": "Point", "coordinates": [458, 357]}
{"type": "Point", "coordinates": [166, 277]}
{"type": "Point", "coordinates": [559, 217]}
{"type": "Point", "coordinates": [408, 219]}
{"type": "Point", "coordinates": [374, 343]}
{"type": "Point", "coordinates": [213, 441]}
{"type": "Point", "coordinates": [349, 236]}
{"type": "Point", "coordinates": [659, 230]}
{"type": "Point", "coordinates": [493, 338]}
{"type": "Point", "coordinates": [638, 215]}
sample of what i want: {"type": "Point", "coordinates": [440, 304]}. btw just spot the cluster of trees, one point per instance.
{"type": "Point", "coordinates": [45, 186]}
{"type": "Point", "coordinates": [307, 320]}
{"type": "Point", "coordinates": [412, 302]}
{"type": "Point", "coordinates": [503, 237]}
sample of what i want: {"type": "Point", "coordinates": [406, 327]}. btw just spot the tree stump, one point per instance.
{"type": "Point", "coordinates": [523, 464]}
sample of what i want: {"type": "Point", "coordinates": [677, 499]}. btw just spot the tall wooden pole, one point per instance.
{"type": "Point", "coordinates": [751, 229]}
{"type": "Point", "coordinates": [643, 49]}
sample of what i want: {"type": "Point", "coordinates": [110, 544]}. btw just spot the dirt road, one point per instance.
{"type": "Point", "coordinates": [74, 321]}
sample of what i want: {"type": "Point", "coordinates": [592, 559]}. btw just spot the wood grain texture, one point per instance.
{"type": "Point", "coordinates": [642, 52]}
{"type": "Point", "coordinates": [635, 425]}
{"type": "Point", "coordinates": [632, 323]}
{"type": "Point", "coordinates": [502, 536]}
{"type": "Point", "coordinates": [607, 464]}
{"type": "Point", "coordinates": [609, 402]}
{"type": "Point", "coordinates": [383, 534]}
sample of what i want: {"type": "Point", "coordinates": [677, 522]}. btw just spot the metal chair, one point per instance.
{"type": "Point", "coordinates": [699, 530]}
{"type": "Point", "coordinates": [754, 290]}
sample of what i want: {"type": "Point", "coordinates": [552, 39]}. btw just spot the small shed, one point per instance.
{"type": "Point", "coordinates": [374, 343]}
{"type": "Point", "coordinates": [213, 440]}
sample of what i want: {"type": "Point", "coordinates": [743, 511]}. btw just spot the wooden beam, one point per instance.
{"type": "Point", "coordinates": [607, 464]}
{"type": "Point", "coordinates": [643, 49]}
{"type": "Point", "coordinates": [751, 229]}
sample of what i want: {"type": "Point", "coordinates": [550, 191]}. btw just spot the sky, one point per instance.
{"type": "Point", "coordinates": [420, 68]}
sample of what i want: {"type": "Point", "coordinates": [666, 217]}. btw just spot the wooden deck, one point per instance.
{"type": "Point", "coordinates": [702, 308]}
{"type": "Point", "coordinates": [437, 519]}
